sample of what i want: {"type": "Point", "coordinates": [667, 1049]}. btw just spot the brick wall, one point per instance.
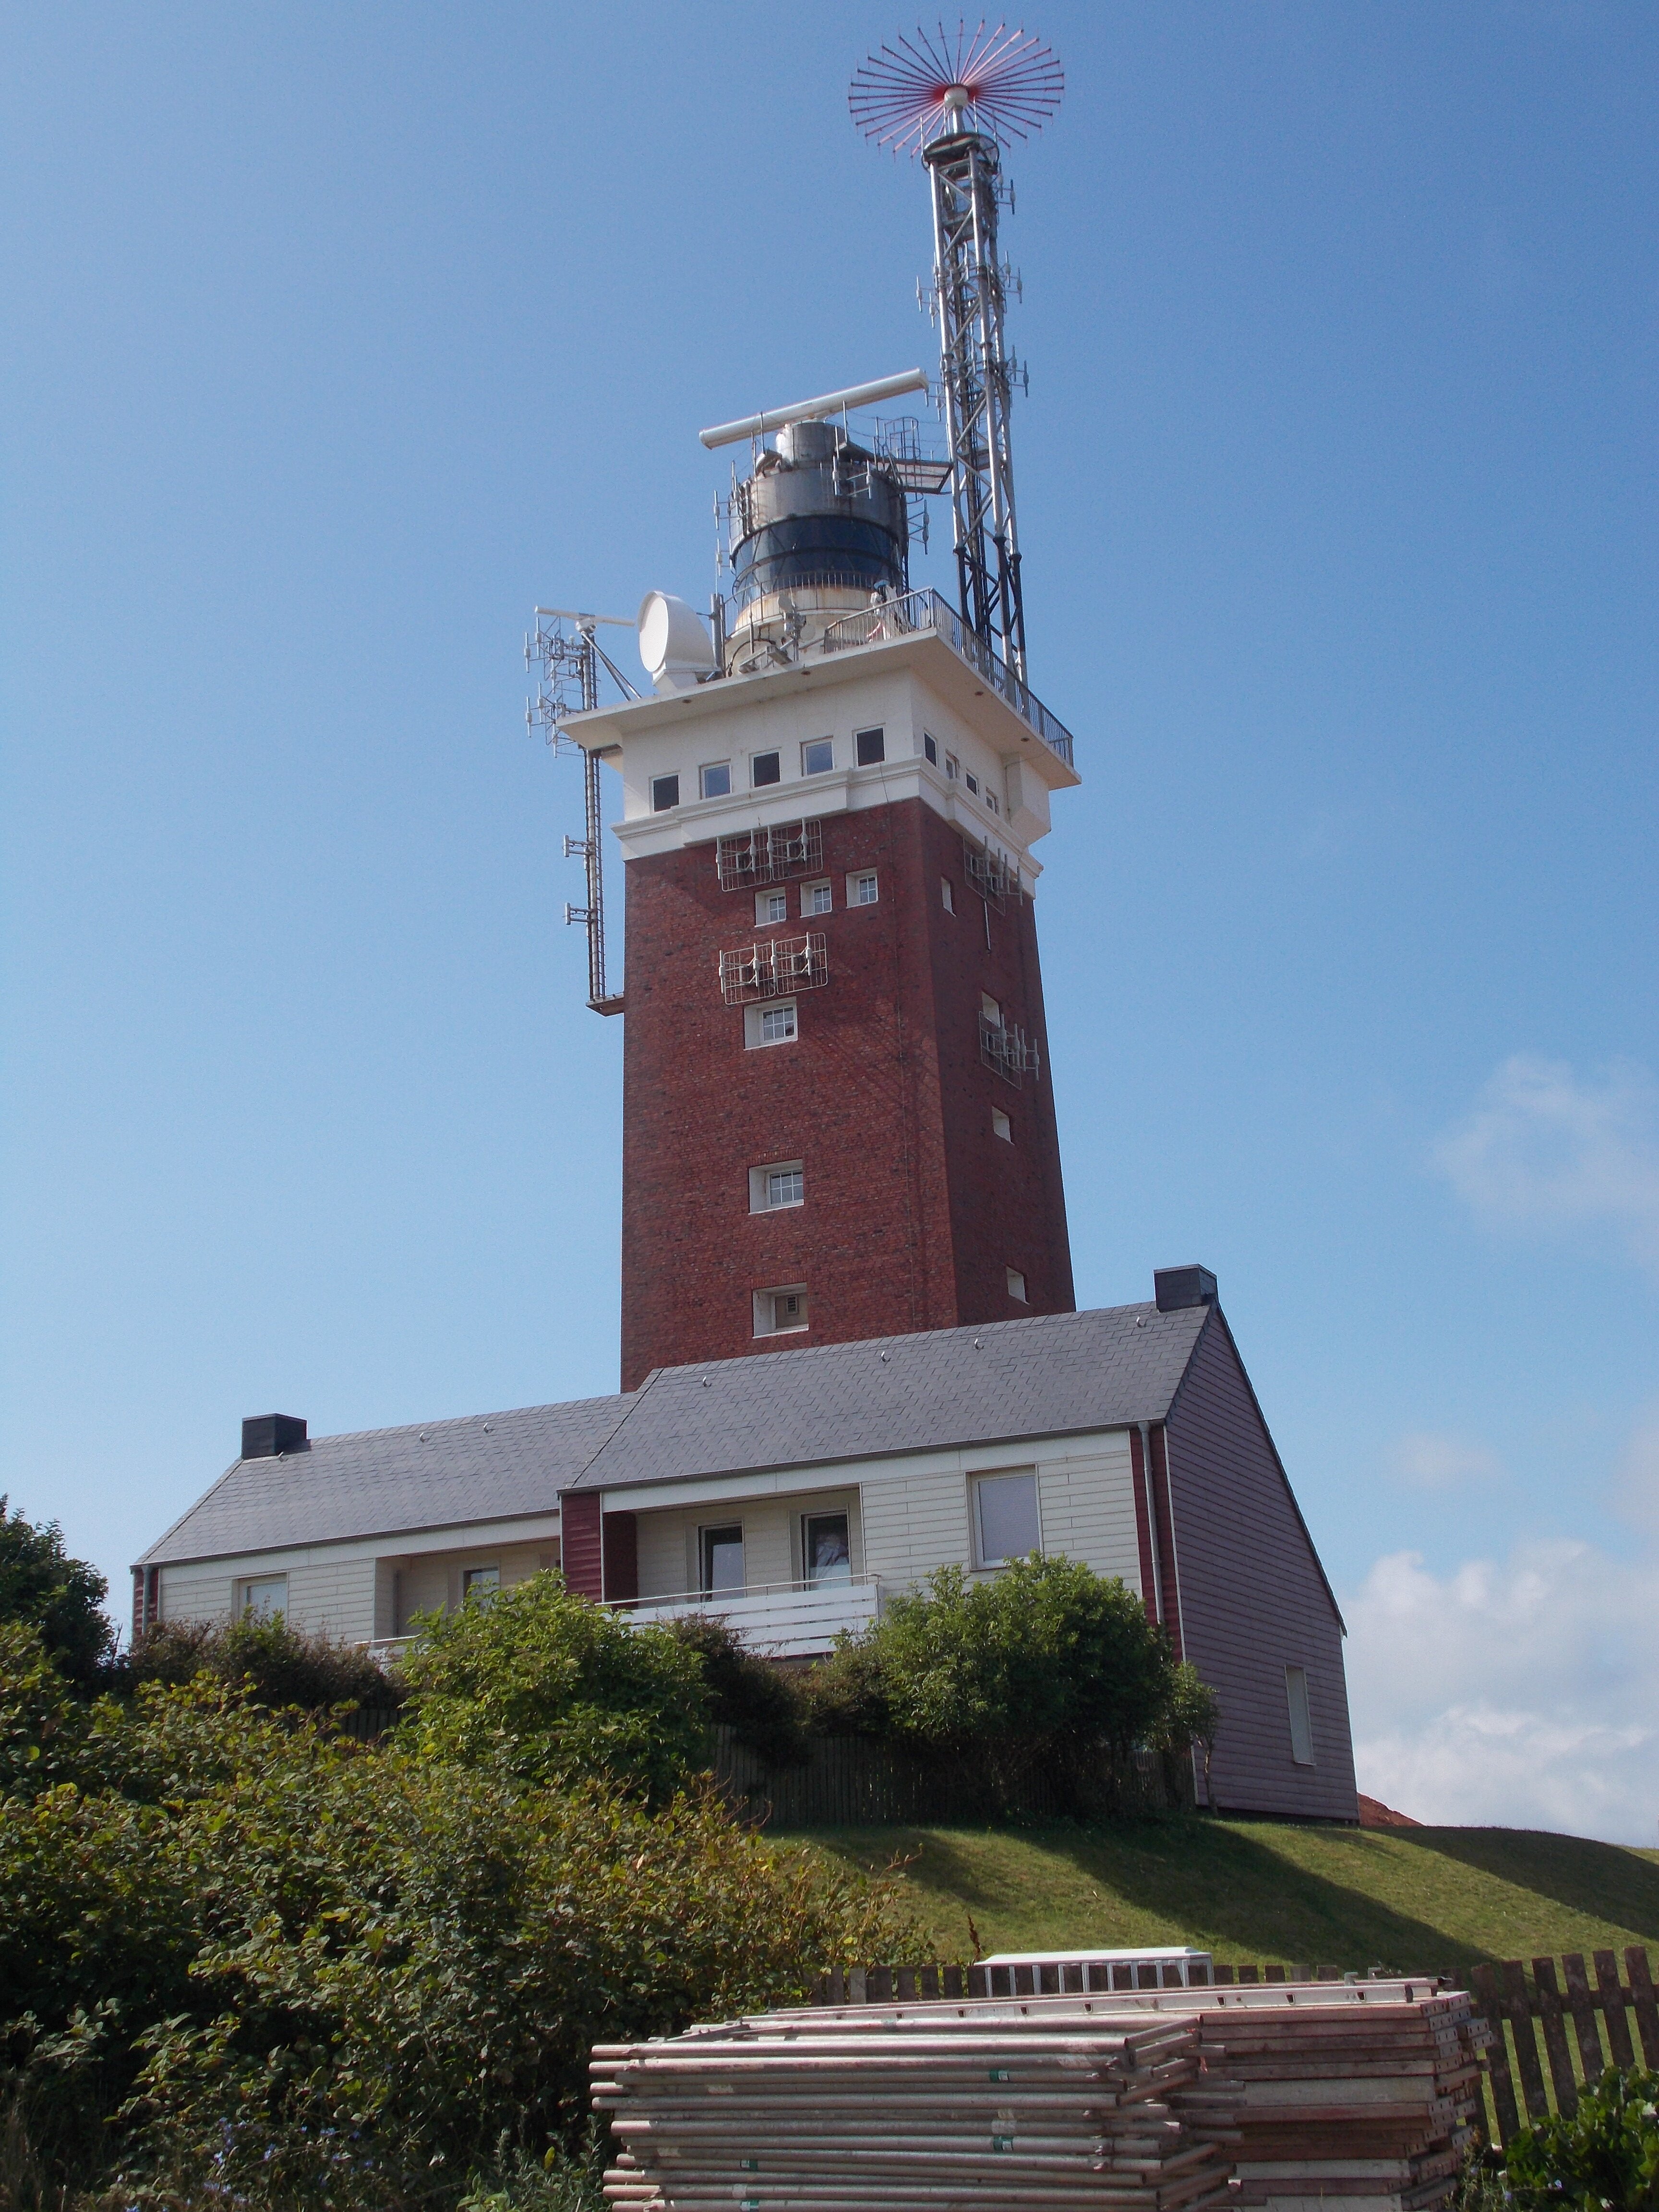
{"type": "Point", "coordinates": [915, 1209]}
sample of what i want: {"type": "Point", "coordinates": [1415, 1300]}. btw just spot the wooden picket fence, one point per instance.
{"type": "Point", "coordinates": [1573, 2020]}
{"type": "Point", "coordinates": [1583, 2014]}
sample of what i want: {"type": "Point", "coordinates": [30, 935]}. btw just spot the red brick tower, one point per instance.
{"type": "Point", "coordinates": [838, 1118]}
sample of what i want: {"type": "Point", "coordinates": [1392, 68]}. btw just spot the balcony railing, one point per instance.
{"type": "Point", "coordinates": [781, 1620]}
{"type": "Point", "coordinates": [926, 611]}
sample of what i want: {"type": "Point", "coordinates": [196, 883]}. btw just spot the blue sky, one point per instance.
{"type": "Point", "coordinates": [339, 337]}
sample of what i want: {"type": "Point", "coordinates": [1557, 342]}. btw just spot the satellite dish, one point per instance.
{"type": "Point", "coordinates": [673, 643]}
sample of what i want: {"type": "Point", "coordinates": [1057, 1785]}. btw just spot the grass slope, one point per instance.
{"type": "Point", "coordinates": [1413, 1900]}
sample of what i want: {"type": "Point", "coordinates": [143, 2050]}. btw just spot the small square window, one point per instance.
{"type": "Point", "coordinates": [1296, 1696]}
{"type": "Point", "coordinates": [930, 747]}
{"type": "Point", "coordinates": [1005, 1524]}
{"type": "Point", "coordinates": [479, 1585]}
{"type": "Point", "coordinates": [771, 906]}
{"type": "Point", "coordinates": [871, 746]}
{"type": "Point", "coordinates": [815, 898]}
{"type": "Point", "coordinates": [1001, 1125]}
{"type": "Point", "coordinates": [817, 756]}
{"type": "Point", "coordinates": [972, 782]}
{"type": "Point", "coordinates": [864, 889]}
{"type": "Point", "coordinates": [947, 897]}
{"type": "Point", "coordinates": [665, 792]}
{"type": "Point", "coordinates": [773, 1024]}
{"type": "Point", "coordinates": [714, 779]}
{"type": "Point", "coordinates": [264, 1597]}
{"type": "Point", "coordinates": [781, 1313]}
{"type": "Point", "coordinates": [772, 1187]}
{"type": "Point", "coordinates": [1016, 1284]}
{"type": "Point", "coordinates": [765, 767]}
{"type": "Point", "coordinates": [990, 1010]}
{"type": "Point", "coordinates": [952, 767]}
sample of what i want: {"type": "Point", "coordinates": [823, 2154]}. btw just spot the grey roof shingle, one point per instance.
{"type": "Point", "coordinates": [1049, 1374]}
{"type": "Point", "coordinates": [436, 1475]}
{"type": "Point", "coordinates": [1007, 1380]}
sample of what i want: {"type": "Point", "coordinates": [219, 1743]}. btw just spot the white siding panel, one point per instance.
{"type": "Point", "coordinates": [1088, 1510]}
{"type": "Point", "coordinates": [196, 1594]}
{"type": "Point", "coordinates": [665, 1568]}
{"type": "Point", "coordinates": [914, 1521]}
{"type": "Point", "coordinates": [333, 1598]}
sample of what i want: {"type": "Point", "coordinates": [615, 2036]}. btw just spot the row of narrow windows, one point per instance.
{"type": "Point", "coordinates": [818, 757]}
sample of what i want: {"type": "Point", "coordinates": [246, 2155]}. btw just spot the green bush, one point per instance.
{"type": "Point", "coordinates": [248, 1960]}
{"type": "Point", "coordinates": [552, 1688]}
{"type": "Point", "coordinates": [282, 1665]}
{"type": "Point", "coordinates": [1604, 2158]}
{"type": "Point", "coordinates": [1046, 1667]}
{"type": "Point", "coordinates": [63, 1597]}
{"type": "Point", "coordinates": [764, 1707]}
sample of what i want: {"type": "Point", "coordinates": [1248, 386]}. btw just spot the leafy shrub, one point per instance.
{"type": "Point", "coordinates": [764, 1707]}
{"type": "Point", "coordinates": [284, 1666]}
{"type": "Point", "coordinates": [1047, 1666]}
{"type": "Point", "coordinates": [63, 1597]}
{"type": "Point", "coordinates": [1604, 2158]}
{"type": "Point", "coordinates": [552, 1688]}
{"type": "Point", "coordinates": [252, 1962]}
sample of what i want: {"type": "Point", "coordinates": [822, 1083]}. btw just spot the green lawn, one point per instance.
{"type": "Point", "coordinates": [1414, 1901]}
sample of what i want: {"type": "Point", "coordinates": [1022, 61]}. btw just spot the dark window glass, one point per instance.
{"type": "Point", "coordinates": [930, 748]}
{"type": "Point", "coordinates": [871, 746]}
{"type": "Point", "coordinates": [722, 1561]}
{"type": "Point", "coordinates": [829, 1556]}
{"type": "Point", "coordinates": [665, 792]}
{"type": "Point", "coordinates": [764, 768]}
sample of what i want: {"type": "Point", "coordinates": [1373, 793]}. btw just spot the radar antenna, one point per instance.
{"type": "Point", "coordinates": [957, 101]}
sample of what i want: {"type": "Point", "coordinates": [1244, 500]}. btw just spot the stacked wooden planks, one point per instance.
{"type": "Point", "coordinates": [1353, 2096]}
{"type": "Point", "coordinates": [782, 2111]}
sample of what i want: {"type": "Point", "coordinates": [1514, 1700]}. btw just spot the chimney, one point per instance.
{"type": "Point", "coordinates": [1175, 1287]}
{"type": "Point", "coordinates": [268, 1436]}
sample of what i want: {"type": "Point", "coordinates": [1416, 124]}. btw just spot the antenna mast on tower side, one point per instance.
{"type": "Point", "coordinates": [570, 661]}
{"type": "Point", "coordinates": [957, 101]}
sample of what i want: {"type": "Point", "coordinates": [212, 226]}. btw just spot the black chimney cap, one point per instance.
{"type": "Point", "coordinates": [268, 1435]}
{"type": "Point", "coordinates": [1175, 1287]}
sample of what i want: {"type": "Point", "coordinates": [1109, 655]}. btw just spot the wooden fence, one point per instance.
{"type": "Point", "coordinates": [1584, 2014]}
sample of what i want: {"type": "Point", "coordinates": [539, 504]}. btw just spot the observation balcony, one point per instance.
{"type": "Point", "coordinates": [926, 610]}
{"type": "Point", "coordinates": [778, 1620]}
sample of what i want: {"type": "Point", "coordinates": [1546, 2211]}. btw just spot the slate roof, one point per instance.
{"type": "Point", "coordinates": [1038, 1377]}
{"type": "Point", "coordinates": [437, 1474]}
{"type": "Point", "coordinates": [1047, 1376]}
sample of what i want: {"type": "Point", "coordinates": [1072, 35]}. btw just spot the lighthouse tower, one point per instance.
{"type": "Point", "coordinates": [838, 1118]}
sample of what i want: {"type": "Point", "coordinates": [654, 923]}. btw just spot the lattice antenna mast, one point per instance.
{"type": "Point", "coordinates": [569, 661]}
{"type": "Point", "coordinates": [957, 101]}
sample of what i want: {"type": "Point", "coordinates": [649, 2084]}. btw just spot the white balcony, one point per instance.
{"type": "Point", "coordinates": [779, 1620]}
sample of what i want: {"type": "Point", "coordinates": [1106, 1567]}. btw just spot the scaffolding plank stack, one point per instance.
{"type": "Point", "coordinates": [1317, 2098]}
{"type": "Point", "coordinates": [781, 2114]}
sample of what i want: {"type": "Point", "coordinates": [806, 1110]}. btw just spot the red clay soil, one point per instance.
{"type": "Point", "coordinates": [1373, 1814]}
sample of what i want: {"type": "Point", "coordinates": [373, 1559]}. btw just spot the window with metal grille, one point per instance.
{"type": "Point", "coordinates": [773, 965]}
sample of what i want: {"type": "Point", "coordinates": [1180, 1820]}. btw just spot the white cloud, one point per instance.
{"type": "Point", "coordinates": [1431, 1461]}
{"type": "Point", "coordinates": [1544, 1151]}
{"type": "Point", "coordinates": [1522, 1693]}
